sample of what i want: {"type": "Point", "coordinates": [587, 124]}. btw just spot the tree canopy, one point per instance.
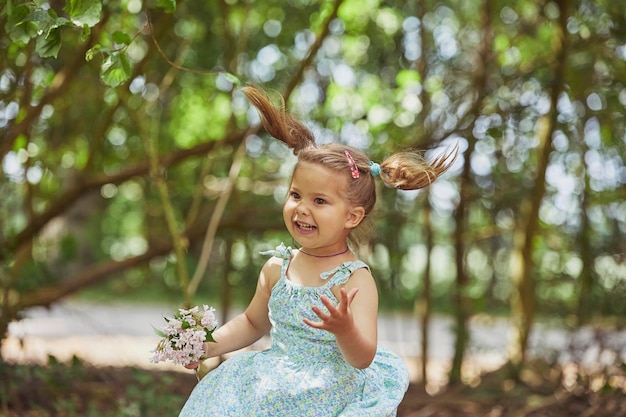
{"type": "Point", "coordinates": [130, 157]}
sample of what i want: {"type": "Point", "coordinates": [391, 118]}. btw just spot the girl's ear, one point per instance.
{"type": "Point", "coordinates": [355, 217]}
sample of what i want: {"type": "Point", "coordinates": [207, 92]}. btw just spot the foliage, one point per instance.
{"type": "Point", "coordinates": [92, 91]}
{"type": "Point", "coordinates": [78, 389]}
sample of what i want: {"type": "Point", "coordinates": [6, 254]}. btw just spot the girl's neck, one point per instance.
{"type": "Point", "coordinates": [331, 255]}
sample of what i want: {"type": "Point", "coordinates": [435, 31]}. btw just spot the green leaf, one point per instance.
{"type": "Point", "coordinates": [48, 24]}
{"type": "Point", "coordinates": [49, 46]}
{"type": "Point", "coordinates": [231, 78]}
{"type": "Point", "coordinates": [20, 143]}
{"type": "Point", "coordinates": [23, 32]}
{"type": "Point", "coordinates": [407, 77]}
{"type": "Point", "coordinates": [121, 38]}
{"type": "Point", "coordinates": [20, 29]}
{"type": "Point", "coordinates": [84, 12]}
{"type": "Point", "coordinates": [19, 13]}
{"type": "Point", "coordinates": [209, 338]}
{"type": "Point", "coordinates": [501, 43]}
{"type": "Point", "coordinates": [158, 332]}
{"type": "Point", "coordinates": [41, 17]}
{"type": "Point", "coordinates": [92, 51]}
{"type": "Point", "coordinates": [185, 325]}
{"type": "Point", "coordinates": [85, 33]}
{"type": "Point", "coordinates": [115, 70]}
{"type": "Point", "coordinates": [169, 6]}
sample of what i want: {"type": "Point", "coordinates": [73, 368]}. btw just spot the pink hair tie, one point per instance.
{"type": "Point", "coordinates": [353, 168]}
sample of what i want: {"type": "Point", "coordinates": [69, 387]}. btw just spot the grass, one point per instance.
{"type": "Point", "coordinates": [78, 389]}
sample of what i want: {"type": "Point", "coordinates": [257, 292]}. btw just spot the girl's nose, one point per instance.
{"type": "Point", "coordinates": [301, 208]}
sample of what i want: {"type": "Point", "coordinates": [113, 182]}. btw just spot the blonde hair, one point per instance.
{"type": "Point", "coordinates": [406, 170]}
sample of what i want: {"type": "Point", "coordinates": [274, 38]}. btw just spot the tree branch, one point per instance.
{"type": "Point", "coordinates": [71, 195]}
{"type": "Point", "coordinates": [319, 39]}
{"type": "Point", "coordinates": [59, 86]}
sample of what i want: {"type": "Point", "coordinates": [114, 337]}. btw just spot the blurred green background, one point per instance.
{"type": "Point", "coordinates": [134, 169]}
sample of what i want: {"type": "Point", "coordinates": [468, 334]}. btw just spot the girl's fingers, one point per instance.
{"type": "Point", "coordinates": [320, 314]}
{"type": "Point", "coordinates": [334, 312]}
{"type": "Point", "coordinates": [315, 324]}
{"type": "Point", "coordinates": [346, 299]}
{"type": "Point", "coordinates": [329, 305]}
{"type": "Point", "coordinates": [344, 302]}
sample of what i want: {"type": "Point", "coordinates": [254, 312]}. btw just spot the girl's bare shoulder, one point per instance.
{"type": "Point", "coordinates": [270, 273]}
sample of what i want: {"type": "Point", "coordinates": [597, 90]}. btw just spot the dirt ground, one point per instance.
{"type": "Point", "coordinates": [492, 398]}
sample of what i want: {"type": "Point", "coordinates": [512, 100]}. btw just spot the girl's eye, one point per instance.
{"type": "Point", "coordinates": [320, 201]}
{"type": "Point", "coordinates": [295, 195]}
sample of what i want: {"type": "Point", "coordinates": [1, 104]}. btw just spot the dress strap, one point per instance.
{"type": "Point", "coordinates": [283, 252]}
{"type": "Point", "coordinates": [342, 273]}
{"type": "Point", "coordinates": [335, 276]}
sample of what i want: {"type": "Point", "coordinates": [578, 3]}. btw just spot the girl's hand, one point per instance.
{"type": "Point", "coordinates": [339, 318]}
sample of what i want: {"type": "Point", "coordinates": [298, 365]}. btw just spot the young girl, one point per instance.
{"type": "Point", "coordinates": [318, 301]}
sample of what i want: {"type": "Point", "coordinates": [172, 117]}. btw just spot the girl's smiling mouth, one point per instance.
{"type": "Point", "coordinates": [304, 227]}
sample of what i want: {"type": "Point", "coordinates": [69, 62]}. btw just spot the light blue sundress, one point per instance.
{"type": "Point", "coordinates": [303, 373]}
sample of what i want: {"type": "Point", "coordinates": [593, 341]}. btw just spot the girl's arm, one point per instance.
{"type": "Point", "coordinates": [354, 321]}
{"type": "Point", "coordinates": [248, 327]}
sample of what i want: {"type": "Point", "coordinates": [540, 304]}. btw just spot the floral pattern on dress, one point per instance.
{"type": "Point", "coordinates": [303, 373]}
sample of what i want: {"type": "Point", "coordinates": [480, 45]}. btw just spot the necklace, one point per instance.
{"type": "Point", "coordinates": [325, 256]}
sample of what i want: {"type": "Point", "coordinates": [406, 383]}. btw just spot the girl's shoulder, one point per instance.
{"type": "Point", "coordinates": [272, 269]}
{"type": "Point", "coordinates": [276, 265]}
{"type": "Point", "coordinates": [355, 274]}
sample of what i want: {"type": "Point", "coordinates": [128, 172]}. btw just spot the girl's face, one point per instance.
{"type": "Point", "coordinates": [316, 212]}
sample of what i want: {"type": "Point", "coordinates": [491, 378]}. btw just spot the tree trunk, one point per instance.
{"type": "Point", "coordinates": [521, 264]}
{"type": "Point", "coordinates": [226, 298]}
{"type": "Point", "coordinates": [461, 302]}
{"type": "Point", "coordinates": [422, 305]}
{"type": "Point", "coordinates": [586, 252]}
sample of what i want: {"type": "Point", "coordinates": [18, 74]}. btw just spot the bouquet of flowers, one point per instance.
{"type": "Point", "coordinates": [184, 334]}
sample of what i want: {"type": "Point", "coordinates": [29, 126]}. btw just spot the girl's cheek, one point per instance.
{"type": "Point", "coordinates": [287, 210]}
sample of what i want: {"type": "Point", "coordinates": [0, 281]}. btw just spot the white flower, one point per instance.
{"type": "Point", "coordinates": [209, 320]}
{"type": "Point", "coordinates": [183, 336]}
{"type": "Point", "coordinates": [173, 327]}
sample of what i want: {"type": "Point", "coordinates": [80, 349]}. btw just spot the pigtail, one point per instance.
{"type": "Point", "coordinates": [278, 123]}
{"type": "Point", "coordinates": [411, 171]}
